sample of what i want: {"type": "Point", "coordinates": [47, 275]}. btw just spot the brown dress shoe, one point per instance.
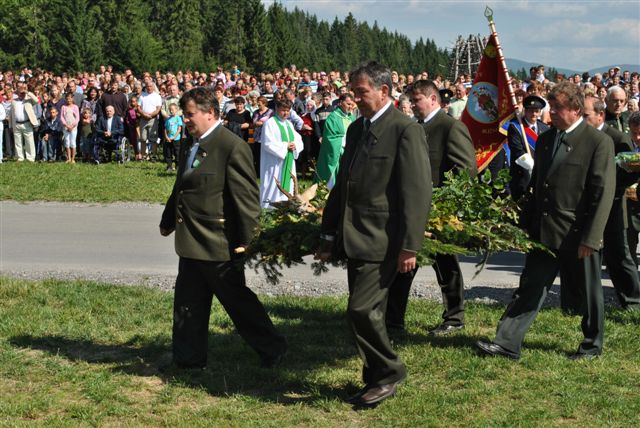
{"type": "Point", "coordinates": [375, 394]}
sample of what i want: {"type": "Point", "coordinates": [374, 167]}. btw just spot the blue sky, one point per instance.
{"type": "Point", "coordinates": [578, 35]}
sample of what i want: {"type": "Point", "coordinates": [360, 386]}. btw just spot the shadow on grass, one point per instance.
{"type": "Point", "coordinates": [319, 344]}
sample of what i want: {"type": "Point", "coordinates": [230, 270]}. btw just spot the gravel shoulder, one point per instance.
{"type": "Point", "coordinates": [119, 244]}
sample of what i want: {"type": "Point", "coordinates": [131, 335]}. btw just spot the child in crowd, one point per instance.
{"type": "Point", "coordinates": [172, 134]}
{"type": "Point", "coordinates": [70, 117]}
{"type": "Point", "coordinates": [131, 125]}
{"type": "Point", "coordinates": [86, 134]}
{"type": "Point", "coordinates": [50, 136]}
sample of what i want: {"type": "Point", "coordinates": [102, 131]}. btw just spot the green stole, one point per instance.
{"type": "Point", "coordinates": [286, 135]}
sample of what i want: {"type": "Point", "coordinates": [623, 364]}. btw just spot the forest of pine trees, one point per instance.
{"type": "Point", "coordinates": [77, 35]}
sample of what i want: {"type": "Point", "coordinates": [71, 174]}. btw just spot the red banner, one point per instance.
{"type": "Point", "coordinates": [488, 105]}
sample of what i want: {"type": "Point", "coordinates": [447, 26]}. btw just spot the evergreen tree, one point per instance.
{"type": "Point", "coordinates": [136, 46]}
{"type": "Point", "coordinates": [76, 41]}
{"type": "Point", "coordinates": [282, 35]}
{"type": "Point", "coordinates": [182, 36]}
{"type": "Point", "coordinates": [231, 37]}
{"type": "Point", "coordinates": [259, 50]}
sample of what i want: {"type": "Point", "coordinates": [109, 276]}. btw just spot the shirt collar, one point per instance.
{"type": "Point", "coordinates": [599, 128]}
{"type": "Point", "coordinates": [210, 130]}
{"type": "Point", "coordinates": [380, 112]}
{"type": "Point", "coordinates": [574, 126]}
{"type": "Point", "coordinates": [431, 115]}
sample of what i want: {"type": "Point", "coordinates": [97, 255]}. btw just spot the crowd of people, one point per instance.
{"type": "Point", "coordinates": [53, 126]}
{"type": "Point", "coordinates": [381, 141]}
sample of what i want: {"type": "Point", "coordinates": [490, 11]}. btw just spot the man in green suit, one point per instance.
{"type": "Point", "coordinates": [617, 256]}
{"type": "Point", "coordinates": [573, 186]}
{"type": "Point", "coordinates": [376, 215]}
{"type": "Point", "coordinates": [450, 149]}
{"type": "Point", "coordinates": [214, 210]}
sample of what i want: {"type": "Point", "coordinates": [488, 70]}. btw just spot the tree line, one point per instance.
{"type": "Point", "coordinates": [78, 35]}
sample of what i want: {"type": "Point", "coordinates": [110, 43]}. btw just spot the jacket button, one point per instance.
{"type": "Point", "coordinates": [181, 192]}
{"type": "Point", "coordinates": [179, 205]}
{"type": "Point", "coordinates": [546, 185]}
{"type": "Point", "coordinates": [179, 219]}
{"type": "Point", "coordinates": [544, 213]}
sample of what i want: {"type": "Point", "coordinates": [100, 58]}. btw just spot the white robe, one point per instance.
{"type": "Point", "coordinates": [272, 153]}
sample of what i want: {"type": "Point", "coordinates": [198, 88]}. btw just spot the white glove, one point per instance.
{"type": "Point", "coordinates": [525, 161]}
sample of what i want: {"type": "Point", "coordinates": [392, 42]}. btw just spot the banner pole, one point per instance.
{"type": "Point", "coordinates": [488, 13]}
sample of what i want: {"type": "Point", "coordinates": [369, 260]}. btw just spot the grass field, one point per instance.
{"type": "Point", "coordinates": [134, 181]}
{"type": "Point", "coordinates": [80, 354]}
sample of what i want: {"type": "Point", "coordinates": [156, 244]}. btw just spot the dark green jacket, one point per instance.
{"type": "Point", "coordinates": [450, 147]}
{"type": "Point", "coordinates": [380, 203]}
{"type": "Point", "coordinates": [572, 196]}
{"type": "Point", "coordinates": [621, 143]}
{"type": "Point", "coordinates": [214, 207]}
{"type": "Point", "coordinates": [613, 121]}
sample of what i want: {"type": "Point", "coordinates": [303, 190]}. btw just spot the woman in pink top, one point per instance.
{"type": "Point", "coordinates": [70, 116]}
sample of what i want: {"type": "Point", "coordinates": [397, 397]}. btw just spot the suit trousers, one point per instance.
{"type": "Point", "coordinates": [539, 272]}
{"type": "Point", "coordinates": [23, 137]}
{"type": "Point", "coordinates": [198, 281]}
{"type": "Point", "coordinates": [449, 275]}
{"type": "Point", "coordinates": [368, 292]}
{"type": "Point", "coordinates": [620, 265]}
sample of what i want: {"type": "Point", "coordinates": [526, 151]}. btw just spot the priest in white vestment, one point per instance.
{"type": "Point", "coordinates": [281, 145]}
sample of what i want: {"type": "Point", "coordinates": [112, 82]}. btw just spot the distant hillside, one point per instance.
{"type": "Point", "coordinates": [516, 64]}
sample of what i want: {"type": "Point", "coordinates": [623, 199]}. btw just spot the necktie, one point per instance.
{"type": "Point", "coordinates": [192, 155]}
{"type": "Point", "coordinates": [560, 137]}
{"type": "Point", "coordinates": [533, 128]}
{"type": "Point", "coordinates": [365, 127]}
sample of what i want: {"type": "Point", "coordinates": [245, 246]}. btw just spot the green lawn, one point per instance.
{"type": "Point", "coordinates": [134, 181]}
{"type": "Point", "coordinates": [80, 353]}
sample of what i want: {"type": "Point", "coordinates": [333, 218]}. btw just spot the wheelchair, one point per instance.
{"type": "Point", "coordinates": [122, 150]}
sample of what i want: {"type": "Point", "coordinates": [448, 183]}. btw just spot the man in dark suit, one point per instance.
{"type": "Point", "coordinates": [521, 145]}
{"type": "Point", "coordinates": [617, 256]}
{"type": "Point", "coordinates": [214, 211]}
{"type": "Point", "coordinates": [573, 187]}
{"type": "Point", "coordinates": [616, 116]}
{"type": "Point", "coordinates": [633, 205]}
{"type": "Point", "coordinates": [109, 132]}
{"type": "Point", "coordinates": [376, 215]}
{"type": "Point", "coordinates": [450, 149]}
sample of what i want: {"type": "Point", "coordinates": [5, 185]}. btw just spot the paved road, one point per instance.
{"type": "Point", "coordinates": [120, 243]}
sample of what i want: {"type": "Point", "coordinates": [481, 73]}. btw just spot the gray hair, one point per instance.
{"type": "Point", "coordinates": [614, 89]}
{"type": "Point", "coordinates": [376, 73]}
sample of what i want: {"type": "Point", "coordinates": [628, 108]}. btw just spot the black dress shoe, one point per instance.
{"type": "Point", "coordinates": [394, 327]}
{"type": "Point", "coordinates": [444, 329]}
{"type": "Point", "coordinates": [271, 361]}
{"type": "Point", "coordinates": [582, 356]}
{"type": "Point", "coordinates": [493, 349]}
{"type": "Point", "coordinates": [375, 394]}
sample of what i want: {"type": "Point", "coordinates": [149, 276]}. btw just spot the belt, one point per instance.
{"type": "Point", "coordinates": [24, 121]}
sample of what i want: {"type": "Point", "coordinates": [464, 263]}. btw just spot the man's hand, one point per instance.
{"type": "Point", "coordinates": [631, 193]}
{"type": "Point", "coordinates": [107, 134]}
{"type": "Point", "coordinates": [584, 251]}
{"type": "Point", "coordinates": [323, 253]}
{"type": "Point", "coordinates": [406, 261]}
{"type": "Point", "coordinates": [165, 232]}
{"type": "Point", "coordinates": [291, 147]}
